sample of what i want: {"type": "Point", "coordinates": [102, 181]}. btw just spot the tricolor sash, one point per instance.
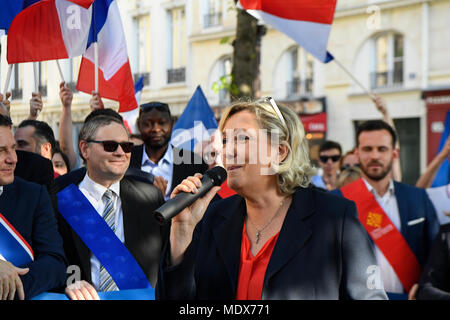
{"type": "Point", "coordinates": [13, 247]}
{"type": "Point", "coordinates": [383, 232]}
{"type": "Point", "coordinates": [100, 239]}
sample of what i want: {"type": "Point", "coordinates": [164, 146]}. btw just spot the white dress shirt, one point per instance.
{"type": "Point", "coordinates": [1, 190]}
{"type": "Point", "coordinates": [389, 204]}
{"type": "Point", "coordinates": [94, 193]}
{"type": "Point", "coordinates": [164, 167]}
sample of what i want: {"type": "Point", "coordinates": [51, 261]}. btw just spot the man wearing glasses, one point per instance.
{"type": "Point", "coordinates": [329, 155]}
{"type": "Point", "coordinates": [169, 165]}
{"type": "Point", "coordinates": [105, 220]}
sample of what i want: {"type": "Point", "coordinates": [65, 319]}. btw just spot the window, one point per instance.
{"type": "Point", "coordinates": [70, 69]}
{"type": "Point", "coordinates": [220, 81]}
{"type": "Point", "coordinates": [299, 73]}
{"type": "Point", "coordinates": [177, 45]}
{"type": "Point", "coordinates": [143, 49]}
{"type": "Point", "coordinates": [389, 57]}
{"type": "Point", "coordinates": [212, 13]}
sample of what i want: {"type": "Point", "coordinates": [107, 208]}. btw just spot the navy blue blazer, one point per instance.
{"type": "Point", "coordinates": [27, 207]}
{"type": "Point", "coordinates": [322, 252]}
{"type": "Point", "coordinates": [418, 221]}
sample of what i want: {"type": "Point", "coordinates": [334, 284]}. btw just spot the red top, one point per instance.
{"type": "Point", "coordinates": [252, 269]}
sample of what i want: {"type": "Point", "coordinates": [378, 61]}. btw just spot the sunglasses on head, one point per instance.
{"type": "Point", "coordinates": [111, 146]}
{"type": "Point", "coordinates": [158, 105]}
{"type": "Point", "coordinates": [274, 105]}
{"type": "Point", "coordinates": [324, 159]}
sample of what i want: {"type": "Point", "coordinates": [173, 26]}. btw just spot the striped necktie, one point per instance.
{"type": "Point", "coordinates": [106, 281]}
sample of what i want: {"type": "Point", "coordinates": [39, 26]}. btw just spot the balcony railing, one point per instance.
{"type": "Point", "coordinates": [176, 75]}
{"type": "Point", "coordinates": [212, 19]}
{"type": "Point", "coordinates": [17, 93]}
{"type": "Point", "coordinates": [146, 76]}
{"type": "Point", "coordinates": [297, 87]}
{"type": "Point", "coordinates": [386, 79]}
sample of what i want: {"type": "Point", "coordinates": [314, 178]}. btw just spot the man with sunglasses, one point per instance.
{"type": "Point", "coordinates": [105, 216]}
{"type": "Point", "coordinates": [157, 155]}
{"type": "Point", "coordinates": [329, 155]}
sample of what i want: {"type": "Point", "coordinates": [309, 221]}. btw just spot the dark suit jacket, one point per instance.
{"type": "Point", "coordinates": [144, 237]}
{"type": "Point", "coordinates": [27, 207]}
{"type": "Point", "coordinates": [186, 163]}
{"type": "Point", "coordinates": [414, 203]}
{"type": "Point", "coordinates": [322, 252]}
{"type": "Point", "coordinates": [434, 282]}
{"type": "Point", "coordinates": [35, 168]}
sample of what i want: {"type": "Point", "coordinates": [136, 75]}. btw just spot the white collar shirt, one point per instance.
{"type": "Point", "coordinates": [164, 167]}
{"type": "Point", "coordinates": [94, 193]}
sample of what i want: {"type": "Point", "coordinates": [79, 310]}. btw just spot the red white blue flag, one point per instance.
{"type": "Point", "coordinates": [13, 247]}
{"type": "Point", "coordinates": [114, 74]}
{"type": "Point", "coordinates": [307, 22]}
{"type": "Point", "coordinates": [49, 30]}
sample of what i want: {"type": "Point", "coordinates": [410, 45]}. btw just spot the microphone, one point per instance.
{"type": "Point", "coordinates": [213, 177]}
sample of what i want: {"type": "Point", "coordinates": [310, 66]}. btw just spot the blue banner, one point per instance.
{"type": "Point", "coordinates": [101, 240]}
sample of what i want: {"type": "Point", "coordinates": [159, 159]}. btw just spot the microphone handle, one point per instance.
{"type": "Point", "coordinates": [181, 201]}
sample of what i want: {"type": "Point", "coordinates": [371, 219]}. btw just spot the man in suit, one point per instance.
{"type": "Point", "coordinates": [399, 218]}
{"type": "Point", "coordinates": [157, 155]}
{"type": "Point", "coordinates": [27, 208]}
{"type": "Point", "coordinates": [434, 282]}
{"type": "Point", "coordinates": [105, 147]}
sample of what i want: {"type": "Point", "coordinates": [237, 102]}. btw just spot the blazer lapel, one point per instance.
{"type": "Point", "coordinates": [228, 237]}
{"type": "Point", "coordinates": [294, 233]}
{"type": "Point", "coordinates": [402, 203]}
{"type": "Point", "coordinates": [128, 217]}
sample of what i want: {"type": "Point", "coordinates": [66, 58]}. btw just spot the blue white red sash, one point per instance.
{"type": "Point", "coordinates": [100, 239]}
{"type": "Point", "coordinates": [13, 247]}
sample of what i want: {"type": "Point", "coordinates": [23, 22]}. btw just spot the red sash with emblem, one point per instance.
{"type": "Point", "coordinates": [383, 232]}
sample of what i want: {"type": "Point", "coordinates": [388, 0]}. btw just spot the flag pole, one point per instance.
{"type": "Point", "coordinates": [8, 79]}
{"type": "Point", "coordinates": [60, 71]}
{"type": "Point", "coordinates": [96, 65]}
{"type": "Point", "coordinates": [36, 82]}
{"type": "Point", "coordinates": [370, 94]}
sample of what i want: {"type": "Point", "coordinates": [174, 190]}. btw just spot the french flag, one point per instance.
{"type": "Point", "coordinates": [307, 22]}
{"type": "Point", "coordinates": [130, 117]}
{"type": "Point", "coordinates": [49, 30]}
{"type": "Point", "coordinates": [114, 74]}
{"type": "Point", "coordinates": [13, 247]}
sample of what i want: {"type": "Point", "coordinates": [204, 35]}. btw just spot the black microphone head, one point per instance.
{"type": "Point", "coordinates": [217, 174]}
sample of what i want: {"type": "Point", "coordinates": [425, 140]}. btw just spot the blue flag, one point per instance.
{"type": "Point", "coordinates": [196, 123]}
{"type": "Point", "coordinates": [443, 175]}
{"type": "Point", "coordinates": [11, 8]}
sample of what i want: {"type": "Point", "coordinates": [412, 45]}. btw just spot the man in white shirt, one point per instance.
{"type": "Point", "coordinates": [408, 210]}
{"type": "Point", "coordinates": [125, 205]}
{"type": "Point", "coordinates": [168, 164]}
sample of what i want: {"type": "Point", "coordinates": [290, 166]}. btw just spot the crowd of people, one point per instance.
{"type": "Point", "coordinates": [354, 231]}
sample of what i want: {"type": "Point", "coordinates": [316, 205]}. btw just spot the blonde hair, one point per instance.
{"type": "Point", "coordinates": [295, 170]}
{"type": "Point", "coordinates": [348, 175]}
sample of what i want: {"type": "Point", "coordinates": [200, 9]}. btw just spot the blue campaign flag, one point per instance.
{"type": "Point", "coordinates": [196, 123]}
{"type": "Point", "coordinates": [443, 175]}
{"type": "Point", "coordinates": [11, 8]}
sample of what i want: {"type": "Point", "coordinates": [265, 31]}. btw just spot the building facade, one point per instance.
{"type": "Point", "coordinates": [398, 49]}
